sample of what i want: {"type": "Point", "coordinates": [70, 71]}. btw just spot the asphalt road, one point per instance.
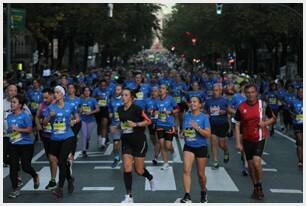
{"type": "Point", "coordinates": [96, 182]}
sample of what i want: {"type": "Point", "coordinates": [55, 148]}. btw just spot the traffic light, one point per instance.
{"type": "Point", "coordinates": [219, 9]}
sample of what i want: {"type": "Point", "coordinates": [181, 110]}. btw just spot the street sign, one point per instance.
{"type": "Point", "coordinates": [18, 18]}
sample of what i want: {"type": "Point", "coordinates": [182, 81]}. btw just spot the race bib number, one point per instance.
{"type": "Point", "coordinates": [139, 95]}
{"type": "Point", "coordinates": [126, 129]}
{"type": "Point", "coordinates": [86, 108]}
{"type": "Point", "coordinates": [102, 102]}
{"type": "Point", "coordinates": [48, 128]}
{"type": "Point", "coordinates": [299, 118]}
{"type": "Point", "coordinates": [34, 105]}
{"type": "Point", "coordinates": [162, 117]}
{"type": "Point", "coordinates": [15, 136]}
{"type": "Point", "coordinates": [59, 127]}
{"type": "Point", "coordinates": [116, 116]}
{"type": "Point", "coordinates": [272, 100]}
{"type": "Point", "coordinates": [190, 134]}
{"type": "Point", "coordinates": [178, 99]}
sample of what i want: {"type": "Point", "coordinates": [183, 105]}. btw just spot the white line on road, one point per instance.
{"type": "Point", "coordinates": [6, 172]}
{"type": "Point", "coordinates": [285, 136]}
{"type": "Point", "coordinates": [263, 162]}
{"type": "Point", "coordinates": [98, 188]}
{"type": "Point", "coordinates": [219, 180]}
{"type": "Point", "coordinates": [109, 149]}
{"type": "Point", "coordinates": [97, 162]}
{"type": "Point", "coordinates": [182, 142]}
{"type": "Point", "coordinates": [176, 155]}
{"type": "Point", "coordinates": [44, 178]}
{"type": "Point", "coordinates": [106, 168]}
{"type": "Point", "coordinates": [265, 153]}
{"type": "Point", "coordinates": [38, 155]}
{"type": "Point", "coordinates": [289, 191]}
{"type": "Point", "coordinates": [163, 179]}
{"type": "Point", "coordinates": [269, 170]}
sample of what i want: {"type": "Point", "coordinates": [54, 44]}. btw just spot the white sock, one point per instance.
{"type": "Point", "coordinates": [103, 141]}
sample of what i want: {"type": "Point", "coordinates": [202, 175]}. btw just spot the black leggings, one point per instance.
{"type": "Point", "coordinates": [76, 129]}
{"type": "Point", "coordinates": [61, 150]}
{"type": "Point", "coordinates": [25, 154]}
{"type": "Point", "coordinates": [6, 150]}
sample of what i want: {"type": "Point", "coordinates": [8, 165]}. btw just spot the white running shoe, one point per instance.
{"type": "Point", "coordinates": [152, 185]}
{"type": "Point", "coordinates": [165, 166]}
{"type": "Point", "coordinates": [127, 199]}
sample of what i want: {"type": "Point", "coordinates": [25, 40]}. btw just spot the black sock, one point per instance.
{"type": "Point", "coordinates": [127, 176]}
{"type": "Point", "coordinates": [203, 193]}
{"type": "Point", "coordinates": [147, 174]}
{"type": "Point", "coordinates": [187, 196]}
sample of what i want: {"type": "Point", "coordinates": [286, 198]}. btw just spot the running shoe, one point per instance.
{"type": "Point", "coordinates": [58, 192]}
{"type": "Point", "coordinates": [127, 199]}
{"type": "Point", "coordinates": [215, 165]}
{"type": "Point", "coordinates": [260, 194]}
{"type": "Point", "coordinates": [204, 198]}
{"type": "Point", "coordinates": [165, 166]}
{"type": "Point", "coordinates": [51, 185]}
{"type": "Point", "coordinates": [14, 194]}
{"type": "Point", "coordinates": [300, 164]}
{"type": "Point", "coordinates": [71, 185]}
{"type": "Point", "coordinates": [244, 171]}
{"type": "Point", "coordinates": [154, 161]}
{"type": "Point", "coordinates": [36, 182]}
{"type": "Point", "coordinates": [84, 154]}
{"type": "Point", "coordinates": [115, 163]}
{"type": "Point", "coordinates": [255, 193]}
{"type": "Point", "coordinates": [19, 182]}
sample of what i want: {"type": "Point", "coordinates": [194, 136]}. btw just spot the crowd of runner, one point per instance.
{"type": "Point", "coordinates": [202, 106]}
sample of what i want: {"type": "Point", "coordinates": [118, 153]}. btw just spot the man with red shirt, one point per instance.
{"type": "Point", "coordinates": [253, 116]}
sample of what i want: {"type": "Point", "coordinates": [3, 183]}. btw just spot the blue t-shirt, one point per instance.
{"type": "Point", "coordinates": [272, 99]}
{"type": "Point", "coordinates": [60, 123]}
{"type": "Point", "coordinates": [144, 93]}
{"type": "Point", "coordinates": [193, 138]}
{"type": "Point", "coordinates": [114, 103]}
{"type": "Point", "coordinates": [88, 105]}
{"type": "Point", "coordinates": [162, 105]}
{"type": "Point", "coordinates": [75, 102]}
{"type": "Point", "coordinates": [237, 99]}
{"type": "Point", "coordinates": [35, 98]}
{"type": "Point", "coordinates": [176, 90]}
{"type": "Point", "coordinates": [214, 107]}
{"type": "Point", "coordinates": [22, 120]}
{"type": "Point", "coordinates": [151, 106]}
{"type": "Point", "coordinates": [102, 95]}
{"type": "Point", "coordinates": [296, 107]}
{"type": "Point", "coordinates": [288, 98]}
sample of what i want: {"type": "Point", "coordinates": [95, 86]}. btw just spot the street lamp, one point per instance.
{"type": "Point", "coordinates": [110, 10]}
{"type": "Point", "coordinates": [219, 9]}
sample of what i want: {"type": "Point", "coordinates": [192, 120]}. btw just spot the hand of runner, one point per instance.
{"type": "Point", "coordinates": [239, 147]}
{"type": "Point", "coordinates": [131, 123]}
{"type": "Point", "coordinates": [52, 113]}
{"type": "Point", "coordinates": [14, 127]}
{"type": "Point", "coordinates": [261, 124]}
{"type": "Point", "coordinates": [194, 124]}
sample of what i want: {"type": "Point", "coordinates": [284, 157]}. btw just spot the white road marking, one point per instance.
{"type": "Point", "coordinates": [289, 191]}
{"type": "Point", "coordinates": [6, 172]}
{"type": "Point", "coordinates": [109, 149]}
{"type": "Point", "coordinates": [106, 168]}
{"type": "Point", "coordinates": [98, 188]}
{"type": "Point", "coordinates": [265, 153]}
{"type": "Point", "coordinates": [97, 162]}
{"type": "Point", "coordinates": [269, 170]}
{"type": "Point", "coordinates": [219, 180]}
{"type": "Point", "coordinates": [263, 162]}
{"type": "Point", "coordinates": [163, 179]}
{"type": "Point", "coordinates": [176, 155]}
{"type": "Point", "coordinates": [285, 136]}
{"type": "Point", "coordinates": [38, 155]}
{"type": "Point", "coordinates": [44, 178]}
{"type": "Point", "coordinates": [182, 143]}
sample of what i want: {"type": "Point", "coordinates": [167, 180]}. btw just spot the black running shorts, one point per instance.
{"type": "Point", "coordinates": [199, 152]}
{"type": "Point", "coordinates": [252, 149]}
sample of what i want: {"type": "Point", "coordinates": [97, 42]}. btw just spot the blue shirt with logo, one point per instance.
{"type": "Point", "coordinates": [60, 123]}
{"type": "Point", "coordinates": [22, 120]}
{"type": "Point", "coordinates": [193, 138]}
{"type": "Point", "coordinates": [237, 99]}
{"type": "Point", "coordinates": [272, 99]}
{"type": "Point", "coordinates": [162, 105]}
{"type": "Point", "coordinates": [151, 106]}
{"type": "Point", "coordinates": [296, 107]}
{"type": "Point", "coordinates": [88, 105]}
{"type": "Point", "coordinates": [288, 98]}
{"type": "Point", "coordinates": [102, 96]}
{"type": "Point", "coordinates": [141, 95]}
{"type": "Point", "coordinates": [114, 103]}
{"type": "Point", "coordinates": [35, 98]}
{"type": "Point", "coordinates": [75, 102]}
{"type": "Point", "coordinates": [177, 91]}
{"type": "Point", "coordinates": [214, 106]}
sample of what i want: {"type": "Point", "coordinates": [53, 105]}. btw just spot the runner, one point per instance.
{"type": "Point", "coordinates": [115, 133]}
{"type": "Point", "coordinates": [102, 94]}
{"type": "Point", "coordinates": [296, 110]}
{"type": "Point", "coordinates": [289, 97]}
{"type": "Point", "coordinates": [150, 108]}
{"type": "Point", "coordinates": [237, 99]}
{"type": "Point", "coordinates": [217, 108]}
{"type": "Point", "coordinates": [45, 133]}
{"type": "Point", "coordinates": [59, 115]}
{"type": "Point", "coordinates": [89, 107]}
{"type": "Point", "coordinates": [134, 146]}
{"type": "Point", "coordinates": [21, 145]}
{"type": "Point", "coordinates": [196, 131]}
{"type": "Point", "coordinates": [166, 107]}
{"type": "Point", "coordinates": [251, 116]}
{"type": "Point", "coordinates": [271, 97]}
